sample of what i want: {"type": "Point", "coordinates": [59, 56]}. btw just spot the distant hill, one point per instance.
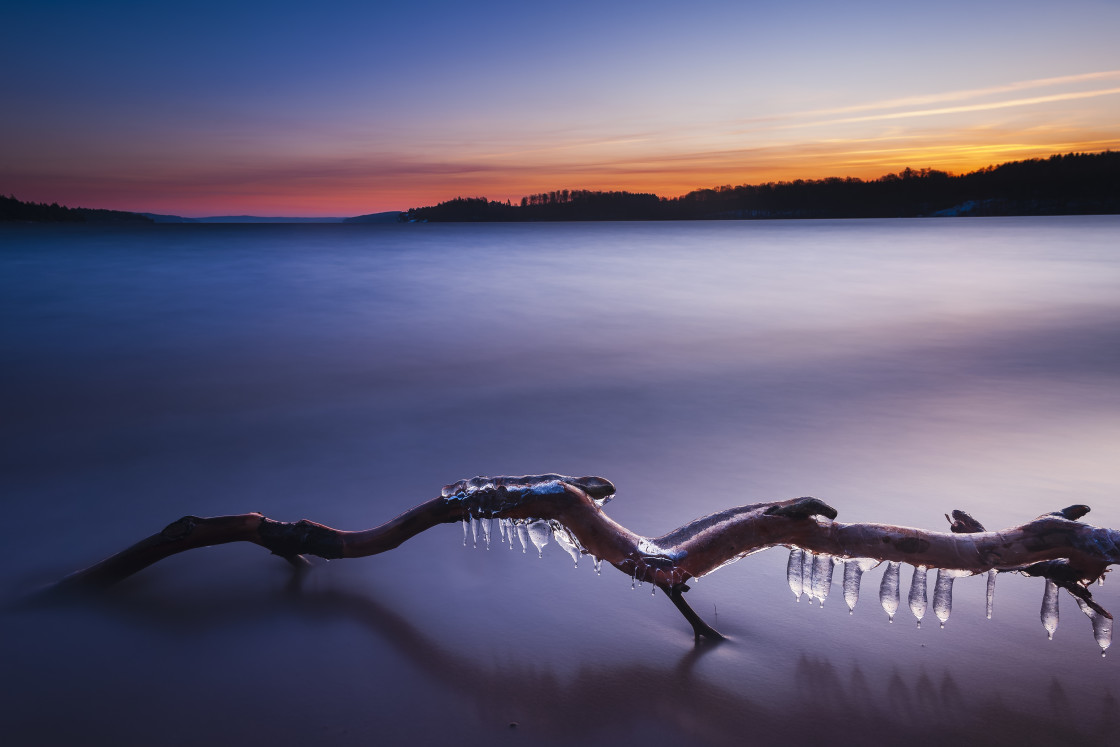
{"type": "Point", "coordinates": [392, 216]}
{"type": "Point", "coordinates": [237, 219]}
{"type": "Point", "coordinates": [157, 218]}
{"type": "Point", "coordinates": [1073, 184]}
{"type": "Point", "coordinates": [12, 209]}
{"type": "Point", "coordinates": [259, 219]}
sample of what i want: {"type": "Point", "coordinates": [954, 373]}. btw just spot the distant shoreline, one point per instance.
{"type": "Point", "coordinates": [1071, 184]}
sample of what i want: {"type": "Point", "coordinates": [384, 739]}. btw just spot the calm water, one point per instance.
{"type": "Point", "coordinates": [896, 369]}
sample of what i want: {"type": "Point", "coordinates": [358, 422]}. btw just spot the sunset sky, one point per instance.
{"type": "Point", "coordinates": [317, 109]}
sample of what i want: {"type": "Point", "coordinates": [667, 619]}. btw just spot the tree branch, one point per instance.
{"type": "Point", "coordinates": [1057, 546]}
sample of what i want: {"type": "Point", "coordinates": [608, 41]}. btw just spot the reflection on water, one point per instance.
{"type": "Point", "coordinates": [825, 702]}
{"type": "Point", "coordinates": [896, 369]}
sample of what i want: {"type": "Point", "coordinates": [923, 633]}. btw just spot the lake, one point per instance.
{"type": "Point", "coordinates": [896, 369]}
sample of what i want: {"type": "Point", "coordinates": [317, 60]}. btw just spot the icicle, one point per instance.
{"type": "Point", "coordinates": [1102, 626]}
{"type": "Point", "coordinates": [523, 536]}
{"type": "Point", "coordinates": [918, 593]}
{"type": "Point", "coordinates": [822, 576]}
{"type": "Point", "coordinates": [562, 539]}
{"type": "Point", "coordinates": [943, 595]}
{"type": "Point", "coordinates": [853, 573]}
{"type": "Point", "coordinates": [793, 571]}
{"type": "Point", "coordinates": [888, 589]}
{"type": "Point", "coordinates": [540, 533]}
{"type": "Point", "coordinates": [474, 531]}
{"type": "Point", "coordinates": [991, 592]}
{"type": "Point", "coordinates": [807, 574]}
{"type": "Point", "coordinates": [598, 566]}
{"type": "Point", "coordinates": [1102, 631]}
{"type": "Point", "coordinates": [466, 529]}
{"type": "Point", "coordinates": [1049, 613]}
{"type": "Point", "coordinates": [487, 527]}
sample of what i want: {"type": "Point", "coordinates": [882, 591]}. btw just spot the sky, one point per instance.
{"type": "Point", "coordinates": [347, 108]}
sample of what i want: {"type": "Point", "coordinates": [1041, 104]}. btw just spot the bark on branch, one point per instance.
{"type": "Point", "coordinates": [1057, 546]}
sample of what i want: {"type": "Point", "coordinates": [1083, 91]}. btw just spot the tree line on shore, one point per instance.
{"type": "Point", "coordinates": [1073, 184]}
{"type": "Point", "coordinates": [12, 209]}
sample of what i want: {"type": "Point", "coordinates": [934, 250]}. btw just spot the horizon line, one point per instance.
{"type": "Point", "coordinates": [232, 218]}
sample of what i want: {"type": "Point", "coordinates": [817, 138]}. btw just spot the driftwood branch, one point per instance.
{"type": "Point", "coordinates": [1056, 546]}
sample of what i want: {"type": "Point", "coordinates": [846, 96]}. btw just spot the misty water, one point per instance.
{"type": "Point", "coordinates": [895, 369]}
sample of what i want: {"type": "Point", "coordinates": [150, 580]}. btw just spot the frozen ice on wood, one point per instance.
{"type": "Point", "coordinates": [1049, 611]}
{"type": "Point", "coordinates": [888, 589]}
{"type": "Point", "coordinates": [794, 575]}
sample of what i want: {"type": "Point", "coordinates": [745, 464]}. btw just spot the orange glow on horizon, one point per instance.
{"type": "Point", "coordinates": [667, 175]}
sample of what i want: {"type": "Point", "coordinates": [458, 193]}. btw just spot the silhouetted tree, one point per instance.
{"type": "Point", "coordinates": [1076, 183]}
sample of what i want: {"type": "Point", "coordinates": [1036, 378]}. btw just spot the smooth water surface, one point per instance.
{"type": "Point", "coordinates": [895, 369]}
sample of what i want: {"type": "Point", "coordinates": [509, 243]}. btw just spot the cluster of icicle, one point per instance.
{"type": "Point", "coordinates": [811, 574]}
{"type": "Point", "coordinates": [478, 524]}
{"type": "Point", "coordinates": [807, 572]}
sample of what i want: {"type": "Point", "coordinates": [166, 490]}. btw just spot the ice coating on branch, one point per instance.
{"type": "Point", "coordinates": [494, 493]}
{"type": "Point", "coordinates": [853, 573]}
{"type": "Point", "coordinates": [485, 498]}
{"type": "Point", "coordinates": [991, 593]}
{"type": "Point", "coordinates": [917, 597]}
{"type": "Point", "coordinates": [1049, 612]}
{"type": "Point", "coordinates": [888, 589]}
{"type": "Point", "coordinates": [659, 555]}
{"type": "Point", "coordinates": [1102, 626]}
{"type": "Point", "coordinates": [794, 575]}
{"type": "Point", "coordinates": [822, 577]}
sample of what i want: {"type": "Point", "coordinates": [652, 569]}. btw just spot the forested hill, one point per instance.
{"type": "Point", "coordinates": [1073, 184]}
{"type": "Point", "coordinates": [12, 209]}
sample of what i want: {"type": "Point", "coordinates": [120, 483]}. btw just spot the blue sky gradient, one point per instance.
{"type": "Point", "coordinates": [346, 108]}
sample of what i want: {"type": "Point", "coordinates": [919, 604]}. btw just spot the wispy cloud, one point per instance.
{"type": "Point", "coordinates": [970, 93]}
{"type": "Point", "coordinates": [925, 105]}
{"type": "Point", "coordinates": [986, 106]}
